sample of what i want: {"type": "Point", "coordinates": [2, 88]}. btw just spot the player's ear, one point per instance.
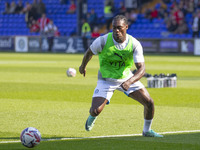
{"type": "Point", "coordinates": [127, 27]}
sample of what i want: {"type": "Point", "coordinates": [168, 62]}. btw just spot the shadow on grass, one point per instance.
{"type": "Point", "coordinates": [170, 141]}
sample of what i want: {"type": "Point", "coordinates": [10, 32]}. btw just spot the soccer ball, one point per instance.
{"type": "Point", "coordinates": [71, 72]}
{"type": "Point", "coordinates": [30, 137]}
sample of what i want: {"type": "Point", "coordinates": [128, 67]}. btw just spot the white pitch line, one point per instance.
{"type": "Point", "coordinates": [174, 132]}
{"type": "Point", "coordinates": [108, 136]}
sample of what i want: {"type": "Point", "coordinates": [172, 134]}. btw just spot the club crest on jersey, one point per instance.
{"type": "Point", "coordinates": [96, 91]}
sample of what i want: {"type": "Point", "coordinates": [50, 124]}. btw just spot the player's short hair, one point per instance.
{"type": "Point", "coordinates": [121, 17]}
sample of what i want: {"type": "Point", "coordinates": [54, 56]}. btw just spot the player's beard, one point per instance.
{"type": "Point", "coordinates": [119, 38]}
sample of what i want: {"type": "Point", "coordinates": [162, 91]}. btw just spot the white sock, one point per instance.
{"type": "Point", "coordinates": [147, 125]}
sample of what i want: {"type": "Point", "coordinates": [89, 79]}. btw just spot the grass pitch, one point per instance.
{"type": "Point", "coordinates": [35, 91]}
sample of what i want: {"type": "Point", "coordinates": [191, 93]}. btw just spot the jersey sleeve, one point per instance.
{"type": "Point", "coordinates": [98, 44]}
{"type": "Point", "coordinates": [138, 51]}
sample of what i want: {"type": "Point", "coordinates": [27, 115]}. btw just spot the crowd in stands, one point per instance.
{"type": "Point", "coordinates": [35, 16]}
{"type": "Point", "coordinates": [175, 19]}
{"type": "Point", "coordinates": [13, 8]}
{"type": "Point", "coordinates": [174, 14]}
{"type": "Point", "coordinates": [179, 16]}
{"type": "Point", "coordinates": [110, 10]}
{"type": "Point", "coordinates": [38, 7]}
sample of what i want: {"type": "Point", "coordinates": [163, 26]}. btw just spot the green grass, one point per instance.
{"type": "Point", "coordinates": [175, 142]}
{"type": "Point", "coordinates": [35, 91]}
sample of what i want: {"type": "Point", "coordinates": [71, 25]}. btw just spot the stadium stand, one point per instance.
{"type": "Point", "coordinates": [14, 24]}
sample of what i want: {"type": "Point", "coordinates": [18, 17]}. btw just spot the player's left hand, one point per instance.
{"type": "Point", "coordinates": [82, 70]}
{"type": "Point", "coordinates": [125, 85]}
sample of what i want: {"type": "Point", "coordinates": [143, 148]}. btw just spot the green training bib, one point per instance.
{"type": "Point", "coordinates": [115, 63]}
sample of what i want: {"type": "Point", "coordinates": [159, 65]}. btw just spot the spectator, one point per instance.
{"type": "Point", "coordinates": [43, 21]}
{"type": "Point", "coordinates": [12, 8]}
{"type": "Point", "coordinates": [177, 14]}
{"type": "Point", "coordinates": [172, 26]}
{"type": "Point", "coordinates": [19, 8]}
{"type": "Point", "coordinates": [41, 8]}
{"type": "Point", "coordinates": [198, 12]}
{"type": "Point", "coordinates": [174, 3]}
{"type": "Point", "coordinates": [95, 32]}
{"type": "Point", "coordinates": [108, 13]}
{"type": "Point", "coordinates": [182, 8]}
{"type": "Point", "coordinates": [29, 22]}
{"type": "Point", "coordinates": [182, 28]}
{"type": "Point", "coordinates": [35, 8]}
{"type": "Point", "coordinates": [72, 7]}
{"type": "Point", "coordinates": [92, 19]}
{"type": "Point", "coordinates": [50, 31]}
{"type": "Point", "coordinates": [198, 5]}
{"type": "Point", "coordinates": [147, 13]}
{"type": "Point", "coordinates": [133, 16]}
{"type": "Point", "coordinates": [7, 8]}
{"type": "Point", "coordinates": [29, 15]}
{"type": "Point", "coordinates": [131, 4]}
{"type": "Point", "coordinates": [190, 6]}
{"type": "Point", "coordinates": [127, 15]}
{"type": "Point", "coordinates": [85, 33]}
{"type": "Point", "coordinates": [195, 26]}
{"type": "Point", "coordinates": [34, 27]}
{"type": "Point", "coordinates": [122, 8]}
{"type": "Point", "coordinates": [34, 4]}
{"type": "Point", "coordinates": [26, 7]}
{"type": "Point", "coordinates": [161, 12]}
{"type": "Point", "coordinates": [154, 14]}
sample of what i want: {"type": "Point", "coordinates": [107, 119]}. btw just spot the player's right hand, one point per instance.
{"type": "Point", "coordinates": [82, 70]}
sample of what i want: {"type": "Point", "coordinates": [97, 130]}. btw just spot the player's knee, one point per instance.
{"type": "Point", "coordinates": [95, 111]}
{"type": "Point", "coordinates": [149, 103]}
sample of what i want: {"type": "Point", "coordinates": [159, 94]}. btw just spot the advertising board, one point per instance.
{"type": "Point", "coordinates": [6, 43]}
{"type": "Point", "coordinates": [21, 44]}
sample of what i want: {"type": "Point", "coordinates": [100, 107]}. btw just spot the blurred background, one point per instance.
{"type": "Point", "coordinates": [70, 26]}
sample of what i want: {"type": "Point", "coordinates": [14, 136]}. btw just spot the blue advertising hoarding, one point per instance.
{"type": "Point", "coordinates": [6, 43]}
